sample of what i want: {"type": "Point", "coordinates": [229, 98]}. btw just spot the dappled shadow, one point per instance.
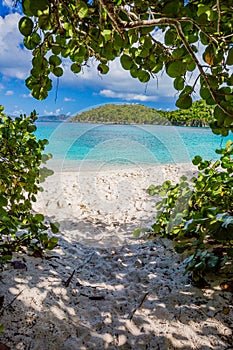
{"type": "Point", "coordinates": [124, 295]}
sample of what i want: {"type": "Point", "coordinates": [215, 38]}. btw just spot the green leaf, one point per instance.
{"type": "Point", "coordinates": [107, 34]}
{"type": "Point", "coordinates": [184, 102]}
{"type": "Point", "coordinates": [76, 68]}
{"type": "Point", "coordinates": [176, 69]}
{"type": "Point", "coordinates": [134, 71]}
{"type": "Point", "coordinates": [32, 41]}
{"type": "Point", "coordinates": [170, 37]}
{"type": "Point", "coordinates": [82, 9]}
{"type": "Point", "coordinates": [26, 7]}
{"type": "Point", "coordinates": [157, 67]}
{"type": "Point", "coordinates": [39, 6]}
{"type": "Point", "coordinates": [54, 60]}
{"type": "Point", "coordinates": [39, 217]}
{"type": "Point", "coordinates": [178, 53]}
{"type": "Point", "coordinates": [52, 243]}
{"type": "Point", "coordinates": [3, 201]}
{"type": "Point", "coordinates": [126, 61]}
{"type": "Point", "coordinates": [143, 76]}
{"type": "Point", "coordinates": [197, 160]}
{"type": "Point", "coordinates": [179, 83]}
{"type": "Point", "coordinates": [25, 26]}
{"type": "Point", "coordinates": [54, 227]}
{"type": "Point", "coordinates": [103, 68]}
{"type": "Point", "coordinates": [229, 60]}
{"type": "Point", "coordinates": [58, 71]}
{"type": "Point", "coordinates": [44, 22]}
{"type": "Point", "coordinates": [202, 9]}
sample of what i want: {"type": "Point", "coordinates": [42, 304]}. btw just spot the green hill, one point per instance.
{"type": "Point", "coordinates": [121, 114]}
{"type": "Point", "coordinates": [198, 115]}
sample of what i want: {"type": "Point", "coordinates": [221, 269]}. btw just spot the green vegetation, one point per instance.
{"type": "Point", "coordinates": [199, 216]}
{"type": "Point", "coordinates": [193, 35]}
{"type": "Point", "coordinates": [20, 177]}
{"type": "Point", "coordinates": [104, 30]}
{"type": "Point", "coordinates": [121, 114]}
{"type": "Point", "coordinates": [199, 114]}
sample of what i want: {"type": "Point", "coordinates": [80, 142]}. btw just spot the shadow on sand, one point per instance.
{"type": "Point", "coordinates": [90, 293]}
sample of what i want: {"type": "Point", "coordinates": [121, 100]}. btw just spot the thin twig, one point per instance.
{"type": "Point", "coordinates": [12, 301]}
{"type": "Point", "coordinates": [85, 261]}
{"type": "Point", "coordinates": [67, 283]}
{"type": "Point", "coordinates": [138, 306]}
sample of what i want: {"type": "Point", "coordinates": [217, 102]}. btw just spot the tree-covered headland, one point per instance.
{"type": "Point", "coordinates": [199, 114]}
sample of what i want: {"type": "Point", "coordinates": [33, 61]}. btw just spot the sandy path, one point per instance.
{"type": "Point", "coordinates": [124, 293]}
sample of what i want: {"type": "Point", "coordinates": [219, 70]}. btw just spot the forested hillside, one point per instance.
{"type": "Point", "coordinates": [121, 114]}
{"type": "Point", "coordinates": [198, 115]}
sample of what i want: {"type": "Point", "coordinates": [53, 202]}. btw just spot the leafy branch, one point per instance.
{"type": "Point", "coordinates": [20, 174]}
{"type": "Point", "coordinates": [198, 215]}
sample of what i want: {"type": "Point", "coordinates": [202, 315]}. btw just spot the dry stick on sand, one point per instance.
{"type": "Point", "coordinates": [12, 301]}
{"type": "Point", "coordinates": [138, 306]}
{"type": "Point", "coordinates": [67, 282]}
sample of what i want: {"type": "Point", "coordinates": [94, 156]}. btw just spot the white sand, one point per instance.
{"type": "Point", "coordinates": [125, 293]}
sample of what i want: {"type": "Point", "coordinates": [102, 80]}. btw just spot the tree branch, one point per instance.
{"type": "Point", "coordinates": [219, 16]}
{"type": "Point", "coordinates": [109, 8]}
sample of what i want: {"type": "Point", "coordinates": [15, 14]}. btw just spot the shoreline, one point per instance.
{"type": "Point", "coordinates": [73, 165]}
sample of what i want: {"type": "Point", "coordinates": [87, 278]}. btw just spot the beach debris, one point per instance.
{"type": "Point", "coordinates": [93, 297]}
{"type": "Point", "coordinates": [67, 282]}
{"type": "Point", "coordinates": [11, 302]}
{"type": "Point", "coordinates": [1, 301]}
{"type": "Point", "coordinates": [4, 347]}
{"type": "Point", "coordinates": [141, 301]}
{"type": "Point", "coordinates": [18, 265]}
{"type": "Point", "coordinates": [227, 286]}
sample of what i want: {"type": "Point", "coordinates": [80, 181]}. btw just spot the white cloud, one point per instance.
{"type": "Point", "coordinates": [127, 96]}
{"type": "Point", "coordinates": [14, 59]}
{"type": "Point", "coordinates": [7, 3]}
{"type": "Point", "coordinates": [68, 99]}
{"type": "Point", "coordinates": [9, 93]}
{"type": "Point", "coordinates": [18, 112]}
{"type": "Point", "coordinates": [57, 112]}
{"type": "Point", "coordinates": [118, 80]}
{"type": "Point", "coordinates": [26, 95]}
{"type": "Point", "coordinates": [1, 87]}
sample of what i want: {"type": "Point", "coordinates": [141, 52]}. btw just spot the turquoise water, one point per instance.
{"type": "Point", "coordinates": [127, 144]}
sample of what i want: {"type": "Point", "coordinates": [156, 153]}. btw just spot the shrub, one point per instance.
{"type": "Point", "coordinates": [198, 215]}
{"type": "Point", "coordinates": [20, 175]}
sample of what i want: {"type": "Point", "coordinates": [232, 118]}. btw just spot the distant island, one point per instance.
{"type": "Point", "coordinates": [53, 118]}
{"type": "Point", "coordinates": [198, 115]}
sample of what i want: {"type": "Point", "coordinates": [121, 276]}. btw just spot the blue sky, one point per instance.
{"type": "Point", "coordinates": [75, 92]}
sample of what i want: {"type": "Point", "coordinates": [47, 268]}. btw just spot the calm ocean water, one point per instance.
{"type": "Point", "coordinates": [127, 145]}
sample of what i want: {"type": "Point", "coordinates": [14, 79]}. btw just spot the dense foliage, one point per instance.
{"type": "Point", "coordinates": [199, 215]}
{"type": "Point", "coordinates": [20, 177]}
{"type": "Point", "coordinates": [199, 114]}
{"type": "Point", "coordinates": [175, 37]}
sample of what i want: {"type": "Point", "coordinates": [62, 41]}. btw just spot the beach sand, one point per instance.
{"type": "Point", "coordinates": [101, 288]}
